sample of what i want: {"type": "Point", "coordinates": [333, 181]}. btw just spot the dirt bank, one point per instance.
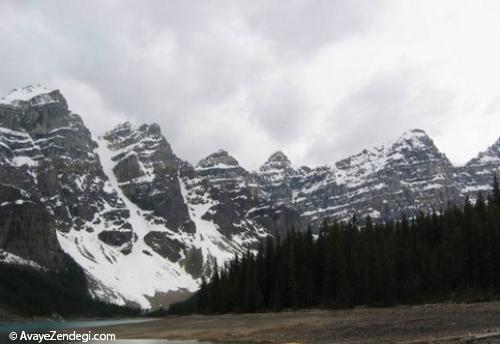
{"type": "Point", "coordinates": [412, 324]}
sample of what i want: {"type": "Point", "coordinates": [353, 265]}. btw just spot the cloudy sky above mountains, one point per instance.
{"type": "Point", "coordinates": [318, 79]}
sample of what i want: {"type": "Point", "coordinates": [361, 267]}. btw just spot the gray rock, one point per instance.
{"type": "Point", "coordinates": [477, 175]}
{"type": "Point", "coordinates": [161, 243]}
{"type": "Point", "coordinates": [385, 182]}
{"type": "Point", "coordinates": [48, 157]}
{"type": "Point", "coordinates": [147, 171]}
{"type": "Point", "coordinates": [140, 202]}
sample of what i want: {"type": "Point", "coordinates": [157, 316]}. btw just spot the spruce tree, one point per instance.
{"type": "Point", "coordinates": [496, 190]}
{"type": "Point", "coordinates": [431, 257]}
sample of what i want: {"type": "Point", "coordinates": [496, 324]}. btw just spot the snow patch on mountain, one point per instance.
{"type": "Point", "coordinates": [36, 94]}
{"type": "Point", "coordinates": [9, 258]}
{"type": "Point", "coordinates": [477, 174]}
{"type": "Point", "coordinates": [142, 222]}
{"type": "Point", "coordinates": [134, 277]}
{"type": "Point", "coordinates": [220, 158]}
{"type": "Point", "coordinates": [212, 243]}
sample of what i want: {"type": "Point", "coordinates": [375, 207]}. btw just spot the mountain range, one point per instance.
{"type": "Point", "coordinates": [145, 225]}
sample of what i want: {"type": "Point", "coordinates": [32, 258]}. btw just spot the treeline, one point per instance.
{"type": "Point", "coordinates": [433, 257]}
{"type": "Point", "coordinates": [28, 292]}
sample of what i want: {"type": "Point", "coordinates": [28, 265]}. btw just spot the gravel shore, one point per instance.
{"type": "Point", "coordinates": [436, 323]}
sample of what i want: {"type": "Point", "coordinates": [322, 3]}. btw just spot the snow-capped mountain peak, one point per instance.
{"type": "Point", "coordinates": [35, 95]}
{"type": "Point", "coordinates": [277, 161]}
{"type": "Point", "coordinates": [414, 139]}
{"type": "Point", "coordinates": [489, 156]}
{"type": "Point", "coordinates": [477, 174]}
{"type": "Point", "coordinates": [145, 225]}
{"type": "Point", "coordinates": [219, 159]}
{"type": "Point", "coordinates": [404, 149]}
{"type": "Point", "coordinates": [120, 129]}
{"type": "Point", "coordinates": [414, 133]}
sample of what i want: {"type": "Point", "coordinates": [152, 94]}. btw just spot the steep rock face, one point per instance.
{"type": "Point", "coordinates": [277, 177]}
{"type": "Point", "coordinates": [183, 219]}
{"type": "Point", "coordinates": [46, 158]}
{"type": "Point", "coordinates": [143, 224]}
{"type": "Point", "coordinates": [220, 178]}
{"type": "Point", "coordinates": [406, 176]}
{"type": "Point", "coordinates": [476, 176]}
{"type": "Point", "coordinates": [28, 233]}
{"type": "Point", "coordinates": [221, 231]}
{"type": "Point", "coordinates": [146, 170]}
{"type": "Point", "coordinates": [243, 206]}
{"type": "Point", "coordinates": [146, 225]}
{"type": "Point", "coordinates": [223, 171]}
{"type": "Point", "coordinates": [58, 199]}
{"type": "Point", "coordinates": [172, 198]}
{"type": "Point", "coordinates": [219, 160]}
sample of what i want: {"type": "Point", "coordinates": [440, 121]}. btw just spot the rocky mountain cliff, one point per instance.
{"type": "Point", "coordinates": [146, 225]}
{"type": "Point", "coordinates": [476, 175]}
{"type": "Point", "coordinates": [50, 177]}
{"type": "Point", "coordinates": [404, 176]}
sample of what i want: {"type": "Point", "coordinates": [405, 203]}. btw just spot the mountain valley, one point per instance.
{"type": "Point", "coordinates": [145, 225]}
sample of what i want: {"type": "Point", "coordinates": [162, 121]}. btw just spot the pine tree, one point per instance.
{"type": "Point", "coordinates": [496, 190]}
{"type": "Point", "coordinates": [203, 305]}
{"type": "Point", "coordinates": [431, 257]}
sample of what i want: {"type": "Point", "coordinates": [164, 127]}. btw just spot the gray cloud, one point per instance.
{"type": "Point", "coordinates": [388, 105]}
{"type": "Point", "coordinates": [318, 79]}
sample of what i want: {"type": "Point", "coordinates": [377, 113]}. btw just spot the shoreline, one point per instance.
{"type": "Point", "coordinates": [410, 324]}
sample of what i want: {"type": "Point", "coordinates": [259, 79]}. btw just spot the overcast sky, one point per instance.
{"type": "Point", "coordinates": [319, 80]}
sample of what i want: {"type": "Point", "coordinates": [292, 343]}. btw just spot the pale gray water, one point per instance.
{"type": "Point", "coordinates": [45, 326]}
{"type": "Point", "coordinates": [33, 326]}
